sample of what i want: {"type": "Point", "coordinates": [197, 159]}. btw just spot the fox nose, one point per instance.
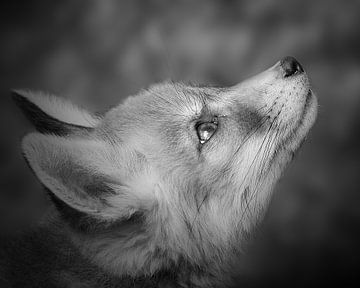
{"type": "Point", "coordinates": [290, 66]}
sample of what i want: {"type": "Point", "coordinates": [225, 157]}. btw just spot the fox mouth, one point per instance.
{"type": "Point", "coordinates": [307, 104]}
{"type": "Point", "coordinates": [298, 133]}
{"type": "Point", "coordinates": [306, 109]}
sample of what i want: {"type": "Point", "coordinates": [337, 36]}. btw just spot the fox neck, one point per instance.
{"type": "Point", "coordinates": [205, 235]}
{"type": "Point", "coordinates": [200, 245]}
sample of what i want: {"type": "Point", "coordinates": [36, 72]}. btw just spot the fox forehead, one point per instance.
{"type": "Point", "coordinates": [159, 103]}
{"type": "Point", "coordinates": [168, 109]}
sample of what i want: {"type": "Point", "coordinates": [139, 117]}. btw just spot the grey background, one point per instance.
{"type": "Point", "coordinates": [98, 52]}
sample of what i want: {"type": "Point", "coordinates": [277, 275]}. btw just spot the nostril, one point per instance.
{"type": "Point", "coordinates": [290, 66]}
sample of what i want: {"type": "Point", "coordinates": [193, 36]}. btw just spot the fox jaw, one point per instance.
{"type": "Point", "coordinates": [176, 175]}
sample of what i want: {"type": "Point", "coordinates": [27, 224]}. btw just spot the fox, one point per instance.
{"type": "Point", "coordinates": [162, 190]}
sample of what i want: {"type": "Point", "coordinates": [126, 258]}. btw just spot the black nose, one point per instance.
{"type": "Point", "coordinates": [290, 66]}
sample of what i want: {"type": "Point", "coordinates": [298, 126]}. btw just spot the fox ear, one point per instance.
{"type": "Point", "coordinates": [84, 174]}
{"type": "Point", "coordinates": [55, 115]}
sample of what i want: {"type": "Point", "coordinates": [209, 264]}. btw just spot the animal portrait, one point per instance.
{"type": "Point", "coordinates": [190, 144]}
{"type": "Point", "coordinates": [172, 179]}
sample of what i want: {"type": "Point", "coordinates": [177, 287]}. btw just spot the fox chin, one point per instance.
{"type": "Point", "coordinates": [161, 190]}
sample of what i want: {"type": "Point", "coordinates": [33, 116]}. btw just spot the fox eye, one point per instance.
{"type": "Point", "coordinates": [206, 130]}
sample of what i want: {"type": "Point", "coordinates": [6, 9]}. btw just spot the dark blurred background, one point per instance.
{"type": "Point", "coordinates": [98, 52]}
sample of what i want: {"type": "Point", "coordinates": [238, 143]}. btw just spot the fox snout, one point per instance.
{"type": "Point", "coordinates": [281, 92]}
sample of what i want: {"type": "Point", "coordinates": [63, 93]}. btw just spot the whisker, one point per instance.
{"type": "Point", "coordinates": [266, 140]}
{"type": "Point", "coordinates": [260, 123]}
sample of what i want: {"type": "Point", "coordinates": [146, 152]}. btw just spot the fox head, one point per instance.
{"type": "Point", "coordinates": [175, 173]}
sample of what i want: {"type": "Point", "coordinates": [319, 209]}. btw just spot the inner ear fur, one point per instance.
{"type": "Point", "coordinates": [55, 115]}
{"type": "Point", "coordinates": [84, 174]}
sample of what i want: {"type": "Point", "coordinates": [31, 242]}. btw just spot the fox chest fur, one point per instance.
{"type": "Point", "coordinates": [162, 190]}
